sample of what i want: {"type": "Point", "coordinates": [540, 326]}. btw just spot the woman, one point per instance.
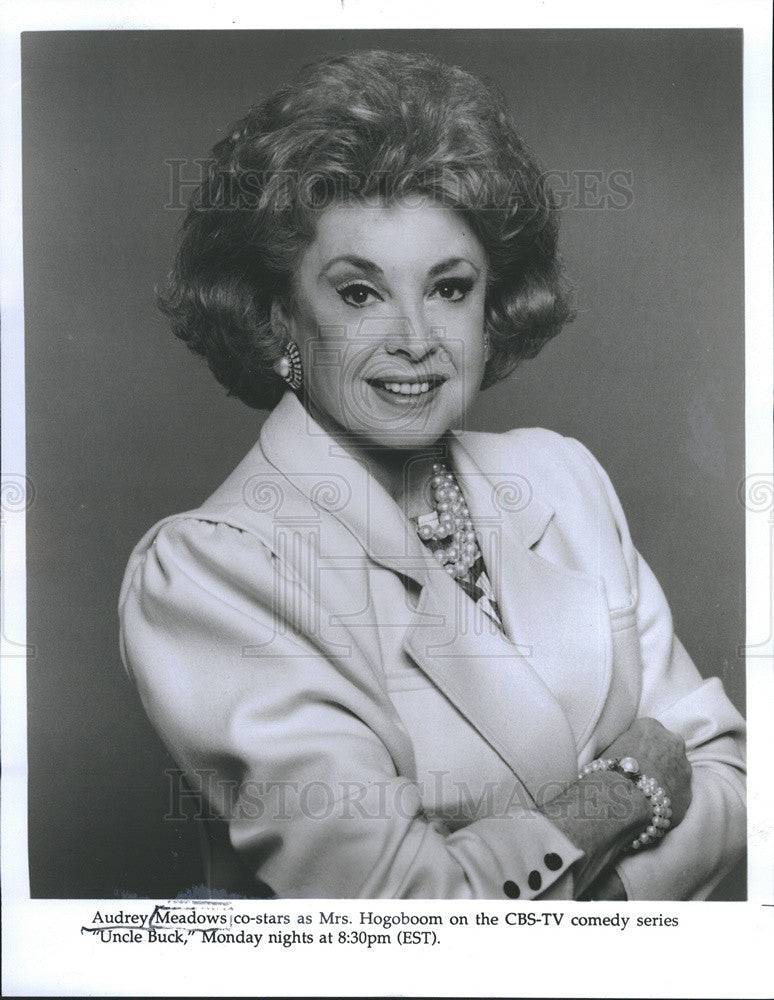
{"type": "Point", "coordinates": [399, 659]}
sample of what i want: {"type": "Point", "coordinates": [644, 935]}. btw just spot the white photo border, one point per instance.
{"type": "Point", "coordinates": [720, 950]}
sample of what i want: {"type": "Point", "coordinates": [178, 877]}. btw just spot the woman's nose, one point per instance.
{"type": "Point", "coordinates": [412, 337]}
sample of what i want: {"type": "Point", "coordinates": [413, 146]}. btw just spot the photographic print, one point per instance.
{"type": "Point", "coordinates": [386, 491]}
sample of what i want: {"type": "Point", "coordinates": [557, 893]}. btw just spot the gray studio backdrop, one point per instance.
{"type": "Point", "coordinates": [643, 131]}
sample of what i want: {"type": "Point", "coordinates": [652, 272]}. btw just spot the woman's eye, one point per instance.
{"type": "Point", "coordinates": [357, 294]}
{"type": "Point", "coordinates": [452, 289]}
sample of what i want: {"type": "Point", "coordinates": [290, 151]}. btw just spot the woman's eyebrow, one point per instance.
{"type": "Point", "coordinates": [446, 265]}
{"type": "Point", "coordinates": [369, 267]}
{"type": "Point", "coordinates": [362, 263]}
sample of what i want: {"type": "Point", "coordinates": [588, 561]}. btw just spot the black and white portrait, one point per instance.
{"type": "Point", "coordinates": [385, 465]}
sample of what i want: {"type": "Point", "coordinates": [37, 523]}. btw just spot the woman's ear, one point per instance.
{"type": "Point", "coordinates": [280, 318]}
{"type": "Point", "coordinates": [280, 327]}
{"type": "Point", "coordinates": [288, 367]}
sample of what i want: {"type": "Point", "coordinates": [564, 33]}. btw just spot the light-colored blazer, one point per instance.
{"type": "Point", "coordinates": [364, 728]}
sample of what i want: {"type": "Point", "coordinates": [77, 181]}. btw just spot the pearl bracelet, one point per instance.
{"type": "Point", "coordinates": [660, 803]}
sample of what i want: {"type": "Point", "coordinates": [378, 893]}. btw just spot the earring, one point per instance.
{"type": "Point", "coordinates": [289, 366]}
{"type": "Point", "coordinates": [486, 346]}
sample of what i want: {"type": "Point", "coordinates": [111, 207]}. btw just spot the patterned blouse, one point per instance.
{"type": "Point", "coordinates": [475, 584]}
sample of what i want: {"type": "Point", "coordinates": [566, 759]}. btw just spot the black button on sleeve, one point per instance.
{"type": "Point", "coordinates": [552, 862]}
{"type": "Point", "coordinates": [511, 890]}
{"type": "Point", "coordinates": [535, 880]}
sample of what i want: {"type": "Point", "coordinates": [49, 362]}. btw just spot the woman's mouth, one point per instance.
{"type": "Point", "coordinates": [403, 390]}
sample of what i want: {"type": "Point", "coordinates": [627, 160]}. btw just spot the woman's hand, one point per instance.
{"type": "Point", "coordinates": [603, 811]}
{"type": "Point", "coordinates": [661, 755]}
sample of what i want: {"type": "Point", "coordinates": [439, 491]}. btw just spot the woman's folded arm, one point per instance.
{"type": "Point", "coordinates": [694, 856]}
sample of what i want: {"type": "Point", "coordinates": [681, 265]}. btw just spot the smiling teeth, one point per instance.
{"type": "Point", "coordinates": [407, 388]}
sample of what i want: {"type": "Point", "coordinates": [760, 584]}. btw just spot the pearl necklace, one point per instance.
{"type": "Point", "coordinates": [450, 517]}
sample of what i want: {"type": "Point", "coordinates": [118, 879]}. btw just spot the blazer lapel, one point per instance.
{"type": "Point", "coordinates": [338, 483]}
{"type": "Point", "coordinates": [557, 618]}
{"type": "Point", "coordinates": [490, 682]}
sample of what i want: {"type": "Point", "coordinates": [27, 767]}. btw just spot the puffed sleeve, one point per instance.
{"type": "Point", "coordinates": [694, 856]}
{"type": "Point", "coordinates": [298, 749]}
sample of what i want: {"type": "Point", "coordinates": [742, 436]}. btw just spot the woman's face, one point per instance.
{"type": "Point", "coordinates": [387, 310]}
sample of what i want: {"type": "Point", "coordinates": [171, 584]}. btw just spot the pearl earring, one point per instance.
{"type": "Point", "coordinates": [289, 366]}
